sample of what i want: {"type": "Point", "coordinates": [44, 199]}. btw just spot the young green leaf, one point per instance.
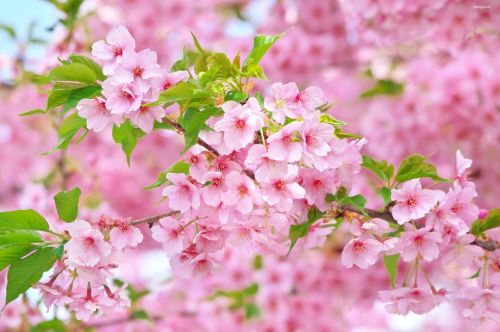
{"type": "Point", "coordinates": [68, 129]}
{"type": "Point", "coordinates": [386, 195]}
{"type": "Point", "coordinates": [17, 237]}
{"type": "Point", "coordinates": [127, 136]}
{"type": "Point", "coordinates": [327, 118]}
{"type": "Point", "coordinates": [74, 72]}
{"type": "Point", "coordinates": [67, 204]}
{"type": "Point", "coordinates": [482, 225]}
{"type": "Point", "coordinates": [379, 167]}
{"type": "Point", "coordinates": [54, 325]}
{"type": "Point", "coordinates": [22, 220]}
{"type": "Point", "coordinates": [342, 198]}
{"type": "Point", "coordinates": [236, 96]}
{"type": "Point", "coordinates": [11, 253]}
{"type": "Point", "coordinates": [384, 87]}
{"type": "Point", "coordinates": [34, 112]}
{"type": "Point", "coordinates": [261, 44]}
{"type": "Point", "coordinates": [91, 64]}
{"type": "Point", "coordinates": [23, 273]}
{"type": "Point", "coordinates": [416, 166]}
{"type": "Point", "coordinates": [196, 124]}
{"type": "Point", "coordinates": [179, 167]}
{"type": "Point", "coordinates": [298, 231]}
{"type": "Point", "coordinates": [391, 265]}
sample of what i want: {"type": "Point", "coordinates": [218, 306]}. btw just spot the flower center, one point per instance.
{"type": "Point", "coordinates": [217, 182]}
{"type": "Point", "coordinates": [358, 247]}
{"type": "Point", "coordinates": [280, 103]}
{"type": "Point", "coordinates": [117, 51]}
{"type": "Point", "coordinates": [138, 71]}
{"type": "Point", "coordinates": [101, 107]}
{"type": "Point", "coordinates": [89, 241]}
{"type": "Point", "coordinates": [418, 240]}
{"type": "Point", "coordinates": [242, 189]}
{"type": "Point", "coordinates": [143, 109]}
{"type": "Point", "coordinates": [279, 185]}
{"type": "Point", "coordinates": [167, 85]}
{"type": "Point", "coordinates": [412, 202]}
{"type": "Point", "coordinates": [317, 183]}
{"type": "Point", "coordinates": [240, 124]}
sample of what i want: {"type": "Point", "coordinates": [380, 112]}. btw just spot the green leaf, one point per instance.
{"type": "Point", "coordinates": [76, 95]}
{"type": "Point", "coordinates": [17, 237]}
{"type": "Point", "coordinates": [127, 136]}
{"type": "Point", "coordinates": [379, 167]}
{"type": "Point", "coordinates": [261, 44]}
{"type": "Point", "coordinates": [67, 204]}
{"type": "Point", "coordinates": [68, 129]}
{"type": "Point", "coordinates": [236, 96]}
{"type": "Point", "coordinates": [74, 72]}
{"type": "Point", "coordinates": [252, 311]}
{"type": "Point", "coordinates": [181, 92]}
{"type": "Point", "coordinates": [260, 99]}
{"type": "Point", "coordinates": [11, 253]}
{"type": "Point", "coordinates": [22, 220]}
{"type": "Point", "coordinates": [54, 325]}
{"type": "Point", "coordinates": [91, 64]}
{"type": "Point", "coordinates": [140, 314]}
{"type": "Point", "coordinates": [391, 265]}
{"type": "Point", "coordinates": [197, 43]}
{"type": "Point", "coordinates": [384, 87]}
{"type": "Point", "coordinates": [327, 118]}
{"type": "Point", "coordinates": [298, 231]}
{"type": "Point", "coordinates": [239, 298]}
{"type": "Point", "coordinates": [179, 167]}
{"type": "Point", "coordinates": [340, 134]}
{"type": "Point", "coordinates": [342, 198]}
{"type": "Point", "coordinates": [25, 272]}
{"type": "Point", "coordinates": [59, 251]}
{"type": "Point", "coordinates": [386, 195]}
{"type": "Point", "coordinates": [9, 30]}
{"type": "Point", "coordinates": [480, 226]}
{"type": "Point", "coordinates": [33, 112]}
{"type": "Point", "coordinates": [258, 262]}
{"type": "Point", "coordinates": [416, 166]}
{"type": "Point", "coordinates": [196, 124]}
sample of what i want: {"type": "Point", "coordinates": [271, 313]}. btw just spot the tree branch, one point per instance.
{"type": "Point", "coordinates": [153, 219]}
{"type": "Point", "coordinates": [179, 128]}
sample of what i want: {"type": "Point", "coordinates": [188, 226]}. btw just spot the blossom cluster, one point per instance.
{"type": "Point", "coordinates": [134, 79]}
{"type": "Point", "coordinates": [81, 277]}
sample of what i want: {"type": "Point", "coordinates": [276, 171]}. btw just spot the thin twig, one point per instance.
{"type": "Point", "coordinates": [153, 219]}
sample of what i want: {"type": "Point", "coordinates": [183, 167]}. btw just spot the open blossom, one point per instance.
{"type": "Point", "coordinates": [168, 79]}
{"type": "Point", "coordinates": [87, 246]}
{"type": "Point", "coordinates": [403, 300]}
{"type": "Point", "coordinates": [146, 116]}
{"type": "Point", "coordinates": [171, 233]}
{"type": "Point", "coordinates": [259, 160]}
{"type": "Point", "coordinates": [422, 243]}
{"type": "Point", "coordinates": [308, 100]}
{"type": "Point", "coordinates": [182, 194]}
{"type": "Point", "coordinates": [461, 167]}
{"type": "Point", "coordinates": [285, 145]}
{"type": "Point", "coordinates": [361, 252]}
{"type": "Point", "coordinates": [212, 193]}
{"type": "Point", "coordinates": [111, 51]}
{"type": "Point", "coordinates": [239, 124]}
{"type": "Point", "coordinates": [121, 98]}
{"type": "Point", "coordinates": [281, 104]}
{"type": "Point", "coordinates": [317, 185]}
{"type": "Point", "coordinates": [315, 137]}
{"type": "Point", "coordinates": [137, 69]}
{"type": "Point", "coordinates": [124, 235]}
{"type": "Point", "coordinates": [240, 193]}
{"type": "Point", "coordinates": [282, 190]}
{"type": "Point", "coordinates": [480, 303]}
{"type": "Point", "coordinates": [96, 113]}
{"type": "Point", "coordinates": [413, 202]}
{"type": "Point", "coordinates": [463, 252]}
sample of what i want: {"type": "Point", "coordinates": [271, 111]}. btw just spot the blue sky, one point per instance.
{"type": "Point", "coordinates": [20, 14]}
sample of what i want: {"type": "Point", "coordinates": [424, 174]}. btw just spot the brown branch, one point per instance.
{"type": "Point", "coordinates": [153, 219]}
{"type": "Point", "coordinates": [488, 245]}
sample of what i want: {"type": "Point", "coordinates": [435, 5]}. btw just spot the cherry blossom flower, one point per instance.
{"type": "Point", "coordinates": [413, 202]}
{"type": "Point", "coordinates": [137, 69]}
{"type": "Point", "coordinates": [146, 116]}
{"type": "Point", "coordinates": [169, 79]}
{"type": "Point", "coordinates": [308, 100]}
{"type": "Point", "coordinates": [110, 52]}
{"type": "Point", "coordinates": [282, 101]}
{"type": "Point", "coordinates": [480, 303]}
{"type": "Point", "coordinates": [421, 243]}
{"type": "Point", "coordinates": [122, 98]}
{"type": "Point", "coordinates": [87, 246]}
{"type": "Point", "coordinates": [463, 252]}
{"type": "Point", "coordinates": [182, 194]}
{"type": "Point", "coordinates": [317, 185]}
{"type": "Point", "coordinates": [315, 138]}
{"type": "Point", "coordinates": [265, 167]}
{"type": "Point", "coordinates": [171, 233]}
{"type": "Point", "coordinates": [403, 300]}
{"type": "Point", "coordinates": [124, 235]}
{"type": "Point", "coordinates": [239, 124]}
{"type": "Point", "coordinates": [240, 193]}
{"type": "Point", "coordinates": [361, 252]}
{"type": "Point", "coordinates": [280, 192]}
{"type": "Point", "coordinates": [284, 144]}
{"type": "Point", "coordinates": [213, 192]}
{"type": "Point", "coordinates": [94, 110]}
